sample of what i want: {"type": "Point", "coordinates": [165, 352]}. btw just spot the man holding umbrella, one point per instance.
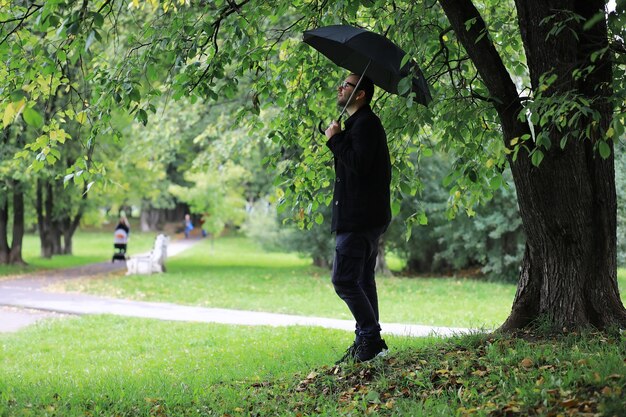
{"type": "Point", "coordinates": [361, 203]}
{"type": "Point", "coordinates": [361, 210]}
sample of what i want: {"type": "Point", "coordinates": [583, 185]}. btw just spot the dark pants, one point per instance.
{"type": "Point", "coordinates": [353, 278]}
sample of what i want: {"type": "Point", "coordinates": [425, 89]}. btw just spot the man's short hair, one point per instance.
{"type": "Point", "coordinates": [368, 87]}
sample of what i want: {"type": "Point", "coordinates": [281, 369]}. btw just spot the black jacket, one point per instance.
{"type": "Point", "coordinates": [361, 198]}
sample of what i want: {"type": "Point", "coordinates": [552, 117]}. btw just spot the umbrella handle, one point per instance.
{"type": "Point", "coordinates": [320, 127]}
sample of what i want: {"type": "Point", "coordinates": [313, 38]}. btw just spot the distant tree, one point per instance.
{"type": "Point", "coordinates": [489, 239]}
{"type": "Point", "coordinates": [14, 187]}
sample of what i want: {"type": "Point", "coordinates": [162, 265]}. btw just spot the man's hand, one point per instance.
{"type": "Point", "coordinates": [333, 129]}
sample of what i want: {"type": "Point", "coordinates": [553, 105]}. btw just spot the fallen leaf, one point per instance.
{"type": "Point", "coordinates": [570, 403]}
{"type": "Point", "coordinates": [527, 363]}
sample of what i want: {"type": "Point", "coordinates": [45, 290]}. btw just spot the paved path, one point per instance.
{"type": "Point", "coordinates": [23, 301]}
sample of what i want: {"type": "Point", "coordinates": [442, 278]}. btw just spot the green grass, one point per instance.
{"type": "Point", "coordinates": [102, 366]}
{"type": "Point", "coordinates": [235, 273]}
{"type": "Point", "coordinates": [574, 375]}
{"type": "Point", "coordinates": [105, 365]}
{"type": "Point", "coordinates": [88, 248]}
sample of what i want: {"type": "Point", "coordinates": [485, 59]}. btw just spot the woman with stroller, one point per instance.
{"type": "Point", "coordinates": [120, 239]}
{"type": "Point", "coordinates": [123, 224]}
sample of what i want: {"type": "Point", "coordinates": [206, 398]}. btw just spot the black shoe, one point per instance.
{"type": "Point", "coordinates": [349, 355]}
{"type": "Point", "coordinates": [369, 349]}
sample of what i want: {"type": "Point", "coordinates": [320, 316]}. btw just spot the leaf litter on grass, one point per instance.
{"type": "Point", "coordinates": [494, 376]}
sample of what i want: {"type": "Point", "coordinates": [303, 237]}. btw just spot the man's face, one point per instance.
{"type": "Point", "coordinates": [345, 89]}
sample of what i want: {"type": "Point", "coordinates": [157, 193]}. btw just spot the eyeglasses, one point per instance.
{"type": "Point", "coordinates": [345, 85]}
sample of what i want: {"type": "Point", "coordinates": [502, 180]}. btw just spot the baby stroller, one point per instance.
{"type": "Point", "coordinates": [120, 240]}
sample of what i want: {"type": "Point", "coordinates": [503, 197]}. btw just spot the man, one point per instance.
{"type": "Point", "coordinates": [361, 211]}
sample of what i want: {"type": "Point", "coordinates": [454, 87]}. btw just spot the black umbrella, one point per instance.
{"type": "Point", "coordinates": [367, 53]}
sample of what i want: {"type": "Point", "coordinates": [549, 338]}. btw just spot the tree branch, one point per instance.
{"type": "Point", "coordinates": [233, 7]}
{"type": "Point", "coordinates": [21, 20]}
{"type": "Point", "coordinates": [471, 31]}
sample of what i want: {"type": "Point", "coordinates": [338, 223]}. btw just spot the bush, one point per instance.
{"type": "Point", "coordinates": [491, 241]}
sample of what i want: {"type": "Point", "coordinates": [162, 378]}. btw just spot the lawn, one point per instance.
{"type": "Point", "coordinates": [102, 366]}
{"type": "Point", "coordinates": [112, 366]}
{"type": "Point", "coordinates": [235, 273]}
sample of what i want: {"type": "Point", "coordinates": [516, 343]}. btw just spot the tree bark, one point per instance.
{"type": "Point", "coordinates": [55, 237]}
{"type": "Point", "coordinates": [151, 219]}
{"type": "Point", "coordinates": [567, 204]}
{"type": "Point", "coordinates": [4, 224]}
{"type": "Point", "coordinates": [381, 264]}
{"type": "Point", "coordinates": [15, 255]}
{"type": "Point", "coordinates": [12, 254]}
{"type": "Point", "coordinates": [321, 262]}
{"type": "Point", "coordinates": [43, 206]}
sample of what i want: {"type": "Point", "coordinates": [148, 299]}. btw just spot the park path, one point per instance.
{"type": "Point", "coordinates": [26, 300]}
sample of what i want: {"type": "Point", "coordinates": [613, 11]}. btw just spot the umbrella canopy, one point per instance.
{"type": "Point", "coordinates": [356, 49]}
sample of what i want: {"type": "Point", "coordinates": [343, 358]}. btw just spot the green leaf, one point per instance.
{"type": "Point", "coordinates": [98, 19]}
{"type": "Point", "coordinates": [495, 182]}
{"type": "Point", "coordinates": [135, 95]}
{"type": "Point", "coordinates": [395, 207]}
{"type": "Point", "coordinates": [151, 73]}
{"type": "Point", "coordinates": [33, 118]}
{"type": "Point", "coordinates": [536, 157]}
{"type": "Point", "coordinates": [142, 116]}
{"type": "Point", "coordinates": [593, 20]}
{"type": "Point", "coordinates": [604, 149]}
{"type": "Point", "coordinates": [404, 85]}
{"type": "Point", "coordinates": [406, 58]}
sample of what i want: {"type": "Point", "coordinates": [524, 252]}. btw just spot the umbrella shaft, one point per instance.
{"type": "Point", "coordinates": [356, 87]}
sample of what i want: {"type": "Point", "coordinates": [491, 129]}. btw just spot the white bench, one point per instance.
{"type": "Point", "coordinates": [151, 263]}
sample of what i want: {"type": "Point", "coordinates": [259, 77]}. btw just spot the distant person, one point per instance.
{"type": "Point", "coordinates": [123, 224]}
{"type": "Point", "coordinates": [361, 211]}
{"type": "Point", "coordinates": [188, 226]}
{"type": "Point", "coordinates": [120, 239]}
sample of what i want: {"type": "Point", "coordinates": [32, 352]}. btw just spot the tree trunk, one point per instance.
{"type": "Point", "coordinates": [381, 264]}
{"type": "Point", "coordinates": [568, 276]}
{"type": "Point", "coordinates": [55, 237]}
{"type": "Point", "coordinates": [67, 233]}
{"type": "Point", "coordinates": [15, 255]}
{"type": "Point", "coordinates": [144, 218]}
{"type": "Point", "coordinates": [321, 262]}
{"type": "Point", "coordinates": [568, 203]}
{"type": "Point", "coordinates": [4, 228]}
{"type": "Point", "coordinates": [43, 205]}
{"type": "Point", "coordinates": [151, 218]}
{"type": "Point", "coordinates": [70, 225]}
{"type": "Point", "coordinates": [12, 254]}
